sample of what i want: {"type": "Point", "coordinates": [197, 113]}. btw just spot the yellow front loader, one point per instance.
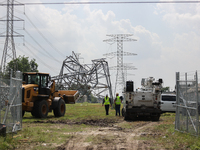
{"type": "Point", "coordinates": [40, 97]}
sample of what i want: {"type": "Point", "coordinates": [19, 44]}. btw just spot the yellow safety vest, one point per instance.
{"type": "Point", "coordinates": [107, 102]}
{"type": "Point", "coordinates": [118, 101]}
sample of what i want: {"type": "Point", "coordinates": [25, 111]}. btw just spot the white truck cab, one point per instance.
{"type": "Point", "coordinates": [168, 102]}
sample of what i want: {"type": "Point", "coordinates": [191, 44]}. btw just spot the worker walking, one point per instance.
{"type": "Point", "coordinates": [117, 102]}
{"type": "Point", "coordinates": [107, 103]}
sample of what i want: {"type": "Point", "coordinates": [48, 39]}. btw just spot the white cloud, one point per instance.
{"type": "Point", "coordinates": [163, 46]}
{"type": "Point", "coordinates": [184, 51]}
{"type": "Point", "coordinates": [185, 16]}
{"type": "Point", "coordinates": [86, 36]}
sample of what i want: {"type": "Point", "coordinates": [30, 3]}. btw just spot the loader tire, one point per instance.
{"type": "Point", "coordinates": [40, 109]}
{"type": "Point", "coordinates": [60, 109]}
{"type": "Point", "coordinates": [33, 113]}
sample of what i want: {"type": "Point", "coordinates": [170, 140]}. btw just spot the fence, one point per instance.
{"type": "Point", "coordinates": [187, 115]}
{"type": "Point", "coordinates": [11, 103]}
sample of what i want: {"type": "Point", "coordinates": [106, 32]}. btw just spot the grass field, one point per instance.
{"type": "Point", "coordinates": [52, 132]}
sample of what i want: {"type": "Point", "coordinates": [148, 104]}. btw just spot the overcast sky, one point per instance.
{"type": "Point", "coordinates": [168, 36]}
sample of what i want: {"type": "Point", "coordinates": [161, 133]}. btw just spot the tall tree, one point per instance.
{"type": "Point", "coordinates": [165, 89]}
{"type": "Point", "coordinates": [23, 64]}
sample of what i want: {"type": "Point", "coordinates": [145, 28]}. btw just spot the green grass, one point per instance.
{"type": "Point", "coordinates": [39, 133]}
{"type": "Point", "coordinates": [169, 138]}
{"type": "Point", "coordinates": [48, 136]}
{"type": "Point", "coordinates": [7, 143]}
{"type": "Point", "coordinates": [76, 112]}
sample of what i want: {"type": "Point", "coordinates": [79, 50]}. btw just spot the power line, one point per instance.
{"type": "Point", "coordinates": [36, 49]}
{"type": "Point", "coordinates": [41, 47]}
{"type": "Point", "coordinates": [48, 32]}
{"type": "Point", "coordinates": [117, 2]}
{"type": "Point", "coordinates": [46, 65]}
{"type": "Point", "coordinates": [49, 67]}
{"type": "Point", "coordinates": [44, 36]}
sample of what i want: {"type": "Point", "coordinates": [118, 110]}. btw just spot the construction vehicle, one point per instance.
{"type": "Point", "coordinates": [144, 103]}
{"type": "Point", "coordinates": [39, 96]}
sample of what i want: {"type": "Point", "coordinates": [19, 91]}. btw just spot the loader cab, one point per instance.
{"type": "Point", "coordinates": [40, 79]}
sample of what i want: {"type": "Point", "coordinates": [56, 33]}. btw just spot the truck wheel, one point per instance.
{"type": "Point", "coordinates": [141, 118]}
{"type": "Point", "coordinates": [60, 109]}
{"type": "Point", "coordinates": [126, 117]}
{"type": "Point", "coordinates": [40, 109]}
{"type": "Point", "coordinates": [155, 118]}
{"type": "Point", "coordinates": [134, 117]}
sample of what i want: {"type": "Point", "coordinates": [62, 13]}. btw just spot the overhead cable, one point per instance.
{"type": "Point", "coordinates": [36, 49]}
{"type": "Point", "coordinates": [43, 62]}
{"type": "Point", "coordinates": [48, 32]}
{"type": "Point", "coordinates": [43, 36]}
{"type": "Point", "coordinates": [46, 65]}
{"type": "Point", "coordinates": [53, 57]}
{"type": "Point", "coordinates": [117, 2]}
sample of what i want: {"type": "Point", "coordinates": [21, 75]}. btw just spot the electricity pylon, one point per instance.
{"type": "Point", "coordinates": [128, 66]}
{"type": "Point", "coordinates": [86, 78]}
{"type": "Point", "coordinates": [120, 38]}
{"type": "Point", "coordinates": [9, 52]}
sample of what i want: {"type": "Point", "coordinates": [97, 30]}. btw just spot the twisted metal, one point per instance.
{"type": "Point", "coordinates": [86, 78]}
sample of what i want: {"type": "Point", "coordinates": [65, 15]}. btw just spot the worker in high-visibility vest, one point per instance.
{"type": "Point", "coordinates": [106, 103]}
{"type": "Point", "coordinates": [117, 102]}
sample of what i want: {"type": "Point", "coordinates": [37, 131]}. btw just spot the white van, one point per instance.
{"type": "Point", "coordinates": [168, 102]}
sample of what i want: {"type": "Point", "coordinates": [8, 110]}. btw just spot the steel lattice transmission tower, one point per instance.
{"type": "Point", "coordinates": [128, 66]}
{"type": "Point", "coordinates": [9, 52]}
{"type": "Point", "coordinates": [120, 38]}
{"type": "Point", "coordinates": [86, 78]}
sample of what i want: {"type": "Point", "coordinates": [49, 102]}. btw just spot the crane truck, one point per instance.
{"type": "Point", "coordinates": [39, 95]}
{"type": "Point", "coordinates": [144, 102]}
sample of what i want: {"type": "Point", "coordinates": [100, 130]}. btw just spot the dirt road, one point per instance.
{"type": "Point", "coordinates": [120, 135]}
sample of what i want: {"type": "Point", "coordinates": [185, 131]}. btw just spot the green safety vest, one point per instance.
{"type": "Point", "coordinates": [118, 101]}
{"type": "Point", "coordinates": [107, 102]}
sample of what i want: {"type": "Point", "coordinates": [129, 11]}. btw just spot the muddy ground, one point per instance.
{"type": "Point", "coordinates": [110, 135]}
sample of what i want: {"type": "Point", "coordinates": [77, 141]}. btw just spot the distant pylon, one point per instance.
{"type": "Point", "coordinates": [9, 52]}
{"type": "Point", "coordinates": [119, 38]}
{"type": "Point", "coordinates": [128, 66]}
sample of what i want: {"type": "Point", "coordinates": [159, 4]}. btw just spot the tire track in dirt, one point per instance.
{"type": "Point", "coordinates": [112, 137]}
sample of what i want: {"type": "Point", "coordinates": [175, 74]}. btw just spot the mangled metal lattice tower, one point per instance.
{"type": "Point", "coordinates": [86, 78]}
{"type": "Point", "coordinates": [119, 38]}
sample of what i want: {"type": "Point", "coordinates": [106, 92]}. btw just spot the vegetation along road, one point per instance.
{"type": "Point", "coordinates": [85, 126]}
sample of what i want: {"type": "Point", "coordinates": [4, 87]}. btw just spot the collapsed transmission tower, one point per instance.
{"type": "Point", "coordinates": [119, 38]}
{"type": "Point", "coordinates": [9, 52]}
{"type": "Point", "coordinates": [86, 78]}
